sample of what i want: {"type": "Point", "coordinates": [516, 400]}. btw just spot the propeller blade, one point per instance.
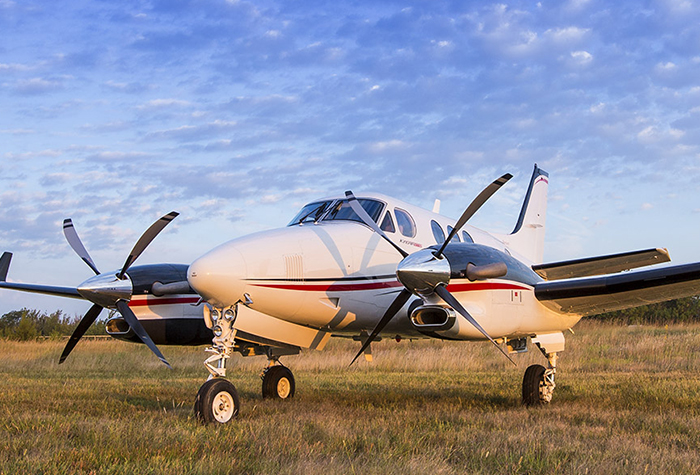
{"type": "Point", "coordinates": [360, 211]}
{"type": "Point", "coordinates": [445, 294]}
{"type": "Point", "coordinates": [74, 240]}
{"type": "Point", "coordinates": [474, 206]}
{"type": "Point", "coordinates": [80, 330]}
{"type": "Point", "coordinates": [135, 325]}
{"type": "Point", "coordinates": [146, 239]}
{"type": "Point", "coordinates": [393, 309]}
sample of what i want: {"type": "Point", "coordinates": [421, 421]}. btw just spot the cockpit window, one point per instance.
{"type": "Point", "coordinates": [456, 237]}
{"type": "Point", "coordinates": [388, 223]}
{"type": "Point", "coordinates": [311, 212]}
{"type": "Point", "coordinates": [341, 210]}
{"type": "Point", "coordinates": [406, 225]}
{"type": "Point", "coordinates": [467, 237]}
{"type": "Point", "coordinates": [438, 233]}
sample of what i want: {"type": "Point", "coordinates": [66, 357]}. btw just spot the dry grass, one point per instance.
{"type": "Point", "coordinates": [628, 401]}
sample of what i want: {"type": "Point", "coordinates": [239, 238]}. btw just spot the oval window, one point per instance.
{"type": "Point", "coordinates": [456, 237]}
{"type": "Point", "coordinates": [438, 233]}
{"type": "Point", "coordinates": [405, 222]}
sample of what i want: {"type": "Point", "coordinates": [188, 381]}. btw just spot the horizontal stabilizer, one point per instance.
{"type": "Point", "coordinates": [594, 295]}
{"type": "Point", "coordinates": [601, 265]}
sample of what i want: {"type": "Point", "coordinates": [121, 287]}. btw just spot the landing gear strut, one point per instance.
{"type": "Point", "coordinates": [538, 382]}
{"type": "Point", "coordinates": [217, 399]}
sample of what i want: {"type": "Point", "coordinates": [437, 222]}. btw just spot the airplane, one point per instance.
{"type": "Point", "coordinates": [365, 268]}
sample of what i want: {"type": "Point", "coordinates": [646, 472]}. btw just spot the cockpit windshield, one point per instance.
{"type": "Point", "coordinates": [336, 210]}
{"type": "Point", "coordinates": [341, 210]}
{"type": "Point", "coordinates": [311, 212]}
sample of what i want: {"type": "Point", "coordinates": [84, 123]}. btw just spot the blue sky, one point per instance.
{"type": "Point", "coordinates": [236, 113]}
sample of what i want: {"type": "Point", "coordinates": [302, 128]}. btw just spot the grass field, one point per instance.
{"type": "Point", "coordinates": [627, 401]}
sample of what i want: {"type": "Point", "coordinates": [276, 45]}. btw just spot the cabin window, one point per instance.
{"type": "Point", "coordinates": [456, 237]}
{"type": "Point", "coordinates": [407, 226]}
{"type": "Point", "coordinates": [388, 224]}
{"type": "Point", "coordinates": [311, 212]}
{"type": "Point", "coordinates": [341, 210]}
{"type": "Point", "coordinates": [466, 237]}
{"type": "Point", "coordinates": [438, 233]}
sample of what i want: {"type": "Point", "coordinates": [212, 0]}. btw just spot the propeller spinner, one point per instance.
{"type": "Point", "coordinates": [109, 289]}
{"type": "Point", "coordinates": [427, 271]}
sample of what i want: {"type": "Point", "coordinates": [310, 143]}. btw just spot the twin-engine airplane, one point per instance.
{"type": "Point", "coordinates": [361, 267]}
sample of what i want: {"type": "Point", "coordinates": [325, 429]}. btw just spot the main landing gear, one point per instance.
{"type": "Point", "coordinates": [217, 400]}
{"type": "Point", "coordinates": [277, 382]}
{"type": "Point", "coordinates": [538, 382]}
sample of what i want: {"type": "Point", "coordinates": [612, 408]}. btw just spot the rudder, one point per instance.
{"type": "Point", "coordinates": [528, 236]}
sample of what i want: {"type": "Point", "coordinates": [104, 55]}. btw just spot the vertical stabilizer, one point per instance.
{"type": "Point", "coordinates": [527, 238]}
{"type": "Point", "coordinates": [5, 265]}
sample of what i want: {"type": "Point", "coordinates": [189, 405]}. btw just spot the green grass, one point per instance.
{"type": "Point", "coordinates": [627, 401]}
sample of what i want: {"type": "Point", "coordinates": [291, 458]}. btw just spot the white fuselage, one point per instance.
{"type": "Point", "coordinates": [339, 276]}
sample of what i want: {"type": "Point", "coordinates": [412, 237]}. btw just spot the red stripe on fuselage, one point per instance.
{"type": "Point", "coordinates": [346, 287]}
{"type": "Point", "coordinates": [334, 287]}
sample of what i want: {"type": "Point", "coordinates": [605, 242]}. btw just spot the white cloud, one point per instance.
{"type": "Point", "coordinates": [164, 103]}
{"type": "Point", "coordinates": [582, 57]}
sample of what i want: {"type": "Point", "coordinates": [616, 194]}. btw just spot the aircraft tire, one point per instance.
{"type": "Point", "coordinates": [278, 383]}
{"type": "Point", "coordinates": [217, 402]}
{"type": "Point", "coordinates": [532, 383]}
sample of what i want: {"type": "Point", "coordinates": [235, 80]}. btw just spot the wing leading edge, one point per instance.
{"type": "Point", "coordinates": [594, 295]}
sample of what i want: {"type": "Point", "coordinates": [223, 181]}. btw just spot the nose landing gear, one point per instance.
{"type": "Point", "coordinates": [217, 401]}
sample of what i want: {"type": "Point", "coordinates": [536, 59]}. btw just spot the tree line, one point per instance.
{"type": "Point", "coordinates": [28, 324]}
{"type": "Point", "coordinates": [685, 310]}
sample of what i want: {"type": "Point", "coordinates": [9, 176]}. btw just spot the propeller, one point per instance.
{"type": "Point", "coordinates": [360, 211]}
{"type": "Point", "coordinates": [450, 299]}
{"type": "Point", "coordinates": [473, 207]}
{"type": "Point", "coordinates": [110, 290]}
{"type": "Point", "coordinates": [74, 240]}
{"type": "Point", "coordinates": [393, 309]}
{"type": "Point", "coordinates": [426, 272]}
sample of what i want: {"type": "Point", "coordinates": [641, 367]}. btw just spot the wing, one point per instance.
{"type": "Point", "coordinates": [594, 295]}
{"type": "Point", "coordinates": [34, 288]}
{"type": "Point", "coordinates": [601, 265]}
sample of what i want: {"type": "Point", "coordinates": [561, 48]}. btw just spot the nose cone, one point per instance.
{"type": "Point", "coordinates": [219, 276]}
{"type": "Point", "coordinates": [421, 271]}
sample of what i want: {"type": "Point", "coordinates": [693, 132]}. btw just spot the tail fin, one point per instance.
{"type": "Point", "coordinates": [5, 265]}
{"type": "Point", "coordinates": [527, 239]}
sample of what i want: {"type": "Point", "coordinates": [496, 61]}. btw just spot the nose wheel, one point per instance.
{"type": "Point", "coordinates": [217, 401]}
{"type": "Point", "coordinates": [277, 383]}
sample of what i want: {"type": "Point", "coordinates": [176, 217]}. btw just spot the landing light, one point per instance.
{"type": "Point", "coordinates": [229, 314]}
{"type": "Point", "coordinates": [215, 314]}
{"type": "Point", "coordinates": [217, 331]}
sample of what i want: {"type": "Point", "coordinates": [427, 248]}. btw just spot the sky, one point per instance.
{"type": "Point", "coordinates": [236, 113]}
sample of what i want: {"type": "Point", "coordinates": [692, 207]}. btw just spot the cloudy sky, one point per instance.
{"type": "Point", "coordinates": [236, 113]}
